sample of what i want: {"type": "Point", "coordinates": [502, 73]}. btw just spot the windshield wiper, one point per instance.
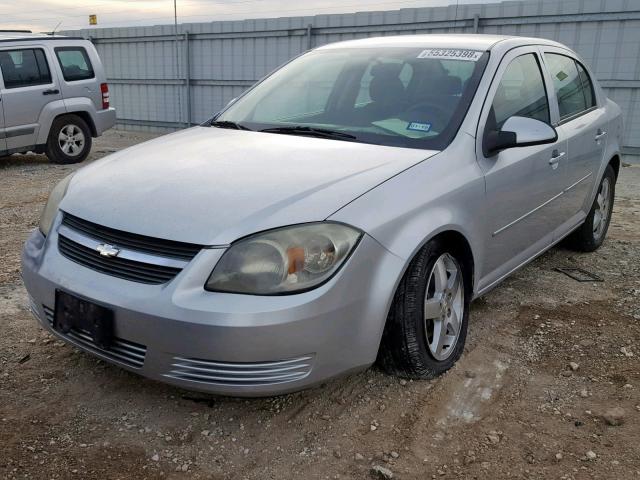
{"type": "Point", "coordinates": [228, 124]}
{"type": "Point", "coordinates": [311, 131]}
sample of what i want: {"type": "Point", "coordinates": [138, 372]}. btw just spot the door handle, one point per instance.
{"type": "Point", "coordinates": [53, 91]}
{"type": "Point", "coordinates": [599, 135]}
{"type": "Point", "coordinates": [555, 157]}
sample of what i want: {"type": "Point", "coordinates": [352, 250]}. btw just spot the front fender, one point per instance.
{"type": "Point", "coordinates": [443, 193]}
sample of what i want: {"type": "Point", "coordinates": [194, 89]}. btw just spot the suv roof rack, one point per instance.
{"type": "Point", "coordinates": [16, 31]}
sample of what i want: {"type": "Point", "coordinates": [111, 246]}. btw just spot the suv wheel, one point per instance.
{"type": "Point", "coordinates": [427, 326]}
{"type": "Point", "coordinates": [69, 140]}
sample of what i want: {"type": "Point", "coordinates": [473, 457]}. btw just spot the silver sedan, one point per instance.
{"type": "Point", "coordinates": [344, 210]}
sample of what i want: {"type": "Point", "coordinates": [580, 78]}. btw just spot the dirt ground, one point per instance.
{"type": "Point", "coordinates": [547, 360]}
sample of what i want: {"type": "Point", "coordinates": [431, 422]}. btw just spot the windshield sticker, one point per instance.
{"type": "Point", "coordinates": [451, 53]}
{"type": "Point", "coordinates": [419, 126]}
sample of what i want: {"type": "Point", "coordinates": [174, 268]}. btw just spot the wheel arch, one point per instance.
{"type": "Point", "coordinates": [615, 164]}
{"type": "Point", "coordinates": [458, 244]}
{"type": "Point", "coordinates": [86, 116]}
{"type": "Point", "coordinates": [461, 245]}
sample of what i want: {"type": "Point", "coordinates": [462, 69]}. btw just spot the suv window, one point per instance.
{"type": "Point", "coordinates": [75, 63]}
{"type": "Point", "coordinates": [567, 84]}
{"type": "Point", "coordinates": [521, 93]}
{"type": "Point", "coordinates": [24, 68]}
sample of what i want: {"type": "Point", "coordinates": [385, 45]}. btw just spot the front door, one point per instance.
{"type": "Point", "coordinates": [583, 122]}
{"type": "Point", "coordinates": [28, 86]}
{"type": "Point", "coordinates": [523, 184]}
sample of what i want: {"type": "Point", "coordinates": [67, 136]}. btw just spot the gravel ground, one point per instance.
{"type": "Point", "coordinates": [549, 385]}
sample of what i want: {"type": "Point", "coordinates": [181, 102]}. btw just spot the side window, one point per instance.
{"type": "Point", "coordinates": [567, 84]}
{"type": "Point", "coordinates": [587, 87]}
{"type": "Point", "coordinates": [24, 68]}
{"type": "Point", "coordinates": [521, 92]}
{"type": "Point", "coordinates": [75, 63]}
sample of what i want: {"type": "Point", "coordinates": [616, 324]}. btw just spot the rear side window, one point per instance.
{"type": "Point", "coordinates": [587, 87]}
{"type": "Point", "coordinates": [75, 63]}
{"type": "Point", "coordinates": [520, 93]}
{"type": "Point", "coordinates": [569, 85]}
{"type": "Point", "coordinates": [24, 68]}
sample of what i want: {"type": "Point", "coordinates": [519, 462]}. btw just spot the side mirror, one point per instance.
{"type": "Point", "coordinates": [518, 132]}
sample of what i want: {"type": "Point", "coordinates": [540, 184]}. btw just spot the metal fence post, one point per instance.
{"type": "Point", "coordinates": [187, 68]}
{"type": "Point", "coordinates": [309, 38]}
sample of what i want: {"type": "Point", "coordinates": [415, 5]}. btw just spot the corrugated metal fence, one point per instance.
{"type": "Point", "coordinates": [163, 81]}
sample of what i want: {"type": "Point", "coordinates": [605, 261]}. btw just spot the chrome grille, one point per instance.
{"type": "Point", "coordinates": [240, 374]}
{"type": "Point", "coordinates": [133, 241]}
{"type": "Point", "coordinates": [121, 351]}
{"type": "Point", "coordinates": [117, 267]}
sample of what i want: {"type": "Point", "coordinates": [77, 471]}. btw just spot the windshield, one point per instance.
{"type": "Point", "coordinates": [407, 97]}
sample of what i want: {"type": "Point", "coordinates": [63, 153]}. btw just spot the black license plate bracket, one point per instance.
{"type": "Point", "coordinates": [74, 313]}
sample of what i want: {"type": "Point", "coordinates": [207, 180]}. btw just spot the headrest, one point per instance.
{"type": "Point", "coordinates": [385, 85]}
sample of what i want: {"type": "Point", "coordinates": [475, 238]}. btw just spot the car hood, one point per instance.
{"type": "Point", "coordinates": [212, 186]}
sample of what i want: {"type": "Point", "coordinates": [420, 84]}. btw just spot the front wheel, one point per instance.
{"type": "Point", "coordinates": [426, 329]}
{"type": "Point", "coordinates": [591, 234]}
{"type": "Point", "coordinates": [69, 140]}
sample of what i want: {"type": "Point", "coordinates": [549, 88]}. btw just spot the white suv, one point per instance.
{"type": "Point", "coordinates": [53, 96]}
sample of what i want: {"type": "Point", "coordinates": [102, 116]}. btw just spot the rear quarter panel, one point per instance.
{"type": "Point", "coordinates": [613, 146]}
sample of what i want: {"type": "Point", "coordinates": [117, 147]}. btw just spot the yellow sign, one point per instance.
{"type": "Point", "coordinates": [93, 19]}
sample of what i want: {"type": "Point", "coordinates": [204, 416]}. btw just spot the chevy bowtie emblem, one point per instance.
{"type": "Point", "coordinates": [107, 250]}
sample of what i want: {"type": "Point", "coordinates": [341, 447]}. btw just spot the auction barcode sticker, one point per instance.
{"type": "Point", "coordinates": [451, 53]}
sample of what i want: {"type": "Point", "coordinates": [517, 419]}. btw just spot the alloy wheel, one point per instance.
{"type": "Point", "coordinates": [71, 140]}
{"type": "Point", "coordinates": [443, 306]}
{"type": "Point", "coordinates": [603, 209]}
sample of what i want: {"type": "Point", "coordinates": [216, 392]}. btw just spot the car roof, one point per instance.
{"type": "Point", "coordinates": [19, 35]}
{"type": "Point", "coordinates": [465, 41]}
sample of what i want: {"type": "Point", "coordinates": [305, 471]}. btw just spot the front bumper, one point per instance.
{"type": "Point", "coordinates": [223, 343]}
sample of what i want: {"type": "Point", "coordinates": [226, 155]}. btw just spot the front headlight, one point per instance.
{"type": "Point", "coordinates": [51, 208]}
{"type": "Point", "coordinates": [287, 260]}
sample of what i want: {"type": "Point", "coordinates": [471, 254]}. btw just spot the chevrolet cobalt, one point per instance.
{"type": "Point", "coordinates": [346, 209]}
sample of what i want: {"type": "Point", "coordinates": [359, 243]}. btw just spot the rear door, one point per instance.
{"type": "Point", "coordinates": [78, 74]}
{"type": "Point", "coordinates": [523, 184]}
{"type": "Point", "coordinates": [29, 85]}
{"type": "Point", "coordinates": [583, 122]}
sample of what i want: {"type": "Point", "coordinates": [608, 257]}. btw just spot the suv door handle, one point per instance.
{"type": "Point", "coordinates": [599, 135]}
{"type": "Point", "coordinates": [53, 91]}
{"type": "Point", "coordinates": [556, 156]}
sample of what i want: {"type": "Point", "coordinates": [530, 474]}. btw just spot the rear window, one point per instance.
{"type": "Point", "coordinates": [75, 63]}
{"type": "Point", "coordinates": [24, 68]}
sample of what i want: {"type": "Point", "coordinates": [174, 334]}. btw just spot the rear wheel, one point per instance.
{"type": "Point", "coordinates": [593, 231]}
{"type": "Point", "coordinates": [69, 140]}
{"type": "Point", "coordinates": [427, 325]}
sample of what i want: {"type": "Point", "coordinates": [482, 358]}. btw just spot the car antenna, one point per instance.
{"type": "Point", "coordinates": [53, 34]}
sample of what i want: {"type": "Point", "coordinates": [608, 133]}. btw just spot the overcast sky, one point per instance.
{"type": "Point", "coordinates": [44, 15]}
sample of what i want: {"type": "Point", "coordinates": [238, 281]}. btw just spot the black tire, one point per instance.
{"type": "Point", "coordinates": [404, 350]}
{"type": "Point", "coordinates": [585, 238]}
{"type": "Point", "coordinates": [77, 153]}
